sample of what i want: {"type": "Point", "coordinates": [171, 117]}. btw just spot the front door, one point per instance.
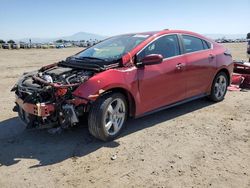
{"type": "Point", "coordinates": [165, 83]}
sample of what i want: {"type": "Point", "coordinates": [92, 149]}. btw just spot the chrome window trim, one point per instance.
{"type": "Point", "coordinates": [181, 34]}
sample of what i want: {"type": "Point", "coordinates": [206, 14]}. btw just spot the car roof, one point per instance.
{"type": "Point", "coordinates": [170, 31]}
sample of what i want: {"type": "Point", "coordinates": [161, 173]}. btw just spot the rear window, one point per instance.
{"type": "Point", "coordinates": [206, 44]}
{"type": "Point", "coordinates": [194, 44]}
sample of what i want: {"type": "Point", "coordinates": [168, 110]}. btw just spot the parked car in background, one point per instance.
{"type": "Point", "coordinates": [6, 46]}
{"type": "Point", "coordinates": [248, 46]}
{"type": "Point", "coordinates": [33, 45]}
{"type": "Point", "coordinates": [90, 43]}
{"type": "Point", "coordinates": [25, 45]}
{"type": "Point", "coordinates": [124, 76]}
{"type": "Point", "coordinates": [15, 46]}
{"type": "Point", "coordinates": [38, 45]}
{"type": "Point", "coordinates": [67, 45]}
{"type": "Point", "coordinates": [60, 46]}
{"type": "Point", "coordinates": [248, 50]}
{"type": "Point", "coordinates": [83, 44]}
{"type": "Point", "coordinates": [52, 45]}
{"type": "Point", "coordinates": [44, 46]}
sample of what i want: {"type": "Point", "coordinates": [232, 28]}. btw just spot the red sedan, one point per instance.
{"type": "Point", "coordinates": [124, 76]}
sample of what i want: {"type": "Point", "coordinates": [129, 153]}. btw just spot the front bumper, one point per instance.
{"type": "Point", "coordinates": [38, 109]}
{"type": "Point", "coordinates": [47, 109]}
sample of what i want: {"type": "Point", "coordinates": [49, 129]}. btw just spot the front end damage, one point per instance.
{"type": "Point", "coordinates": [44, 98]}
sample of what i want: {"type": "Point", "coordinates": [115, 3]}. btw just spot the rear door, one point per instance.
{"type": "Point", "coordinates": [164, 83]}
{"type": "Point", "coordinates": [200, 65]}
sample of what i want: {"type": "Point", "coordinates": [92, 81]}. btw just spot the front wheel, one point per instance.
{"type": "Point", "coordinates": [219, 87]}
{"type": "Point", "coordinates": [107, 116]}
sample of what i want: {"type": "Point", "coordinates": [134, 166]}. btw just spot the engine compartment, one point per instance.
{"type": "Point", "coordinates": [65, 75]}
{"type": "Point", "coordinates": [46, 95]}
{"type": "Point", "coordinates": [46, 85]}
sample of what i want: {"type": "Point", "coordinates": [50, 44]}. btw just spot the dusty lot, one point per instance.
{"type": "Point", "coordinates": [199, 144]}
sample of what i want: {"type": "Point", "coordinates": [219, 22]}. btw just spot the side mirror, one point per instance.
{"type": "Point", "coordinates": [152, 59]}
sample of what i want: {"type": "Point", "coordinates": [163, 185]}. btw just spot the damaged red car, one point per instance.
{"type": "Point", "coordinates": [124, 76]}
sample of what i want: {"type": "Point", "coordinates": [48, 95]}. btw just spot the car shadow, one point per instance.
{"type": "Point", "coordinates": [16, 143]}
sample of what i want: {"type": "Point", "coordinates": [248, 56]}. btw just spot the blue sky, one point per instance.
{"type": "Point", "coordinates": [55, 18]}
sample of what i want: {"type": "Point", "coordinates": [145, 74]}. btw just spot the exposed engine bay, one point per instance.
{"type": "Point", "coordinates": [42, 85]}
{"type": "Point", "coordinates": [44, 97]}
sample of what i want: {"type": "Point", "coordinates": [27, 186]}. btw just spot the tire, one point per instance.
{"type": "Point", "coordinates": [219, 87]}
{"type": "Point", "coordinates": [107, 116]}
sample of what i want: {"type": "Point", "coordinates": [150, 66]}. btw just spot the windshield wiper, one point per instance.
{"type": "Point", "coordinates": [94, 58]}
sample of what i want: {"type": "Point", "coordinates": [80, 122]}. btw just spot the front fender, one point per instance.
{"type": "Point", "coordinates": [104, 81]}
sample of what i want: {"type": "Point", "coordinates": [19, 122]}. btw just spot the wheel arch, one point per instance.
{"type": "Point", "coordinates": [130, 98]}
{"type": "Point", "coordinates": [223, 69]}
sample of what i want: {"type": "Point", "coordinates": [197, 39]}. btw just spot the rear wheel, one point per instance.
{"type": "Point", "coordinates": [107, 116]}
{"type": "Point", "coordinates": [219, 87]}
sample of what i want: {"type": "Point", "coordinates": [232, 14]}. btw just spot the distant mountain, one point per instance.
{"type": "Point", "coordinates": [226, 36]}
{"type": "Point", "coordinates": [76, 37]}
{"type": "Point", "coordinates": [84, 36]}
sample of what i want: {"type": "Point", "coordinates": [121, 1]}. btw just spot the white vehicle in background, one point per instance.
{"type": "Point", "coordinates": [52, 45]}
{"type": "Point", "coordinates": [44, 46]}
{"type": "Point", "coordinates": [67, 45]}
{"type": "Point", "coordinates": [60, 45]}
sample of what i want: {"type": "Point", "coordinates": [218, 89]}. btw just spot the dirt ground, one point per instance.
{"type": "Point", "coordinates": [198, 144]}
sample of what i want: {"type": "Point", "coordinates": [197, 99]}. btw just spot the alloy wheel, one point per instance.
{"type": "Point", "coordinates": [220, 87]}
{"type": "Point", "coordinates": [114, 116]}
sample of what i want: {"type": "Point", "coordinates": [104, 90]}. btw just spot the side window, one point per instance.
{"type": "Point", "coordinates": [209, 45]}
{"type": "Point", "coordinates": [206, 44]}
{"type": "Point", "coordinates": [167, 46]}
{"type": "Point", "coordinates": [193, 44]}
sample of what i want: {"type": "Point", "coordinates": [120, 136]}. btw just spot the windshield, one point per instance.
{"type": "Point", "coordinates": [113, 48]}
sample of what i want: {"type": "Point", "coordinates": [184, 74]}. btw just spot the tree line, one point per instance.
{"type": "Point", "coordinates": [9, 41]}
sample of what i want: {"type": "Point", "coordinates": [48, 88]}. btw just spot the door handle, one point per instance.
{"type": "Point", "coordinates": [211, 56]}
{"type": "Point", "coordinates": [180, 66]}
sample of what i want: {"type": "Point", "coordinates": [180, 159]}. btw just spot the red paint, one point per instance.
{"type": "Point", "coordinates": [154, 86]}
{"type": "Point", "coordinates": [242, 70]}
{"type": "Point", "coordinates": [61, 92]}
